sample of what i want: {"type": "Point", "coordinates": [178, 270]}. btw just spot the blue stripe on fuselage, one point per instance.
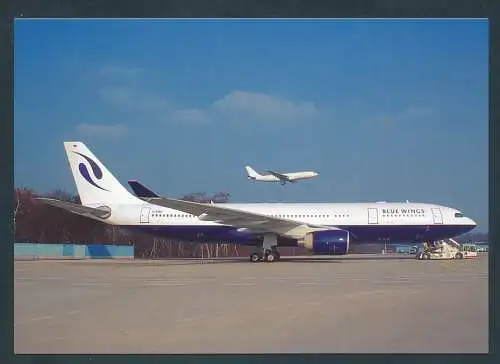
{"type": "Point", "coordinates": [360, 234]}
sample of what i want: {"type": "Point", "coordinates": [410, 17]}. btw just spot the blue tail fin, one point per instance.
{"type": "Point", "coordinates": [140, 190]}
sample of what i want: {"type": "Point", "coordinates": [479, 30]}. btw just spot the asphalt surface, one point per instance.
{"type": "Point", "coordinates": [355, 304]}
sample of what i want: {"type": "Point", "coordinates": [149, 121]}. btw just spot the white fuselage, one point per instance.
{"type": "Point", "coordinates": [329, 214]}
{"type": "Point", "coordinates": [295, 176]}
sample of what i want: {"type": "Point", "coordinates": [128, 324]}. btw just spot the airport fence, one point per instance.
{"type": "Point", "coordinates": [34, 251]}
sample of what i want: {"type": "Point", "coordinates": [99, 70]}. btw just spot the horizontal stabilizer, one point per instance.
{"type": "Point", "coordinates": [99, 213]}
{"type": "Point", "coordinates": [140, 190]}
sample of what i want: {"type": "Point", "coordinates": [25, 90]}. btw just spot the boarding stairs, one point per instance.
{"type": "Point", "coordinates": [442, 249]}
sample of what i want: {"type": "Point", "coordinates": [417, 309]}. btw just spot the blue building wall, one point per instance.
{"type": "Point", "coordinates": [72, 251]}
{"type": "Point", "coordinates": [403, 249]}
{"type": "Point", "coordinates": [96, 251]}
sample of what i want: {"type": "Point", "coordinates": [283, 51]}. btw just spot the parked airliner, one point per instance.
{"type": "Point", "coordinates": [323, 228]}
{"type": "Point", "coordinates": [282, 178]}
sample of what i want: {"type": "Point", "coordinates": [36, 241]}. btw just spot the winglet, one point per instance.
{"type": "Point", "coordinates": [140, 190]}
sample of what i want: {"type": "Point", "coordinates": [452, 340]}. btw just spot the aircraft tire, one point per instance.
{"type": "Point", "coordinates": [272, 257]}
{"type": "Point", "coordinates": [459, 256]}
{"type": "Point", "coordinates": [426, 256]}
{"type": "Point", "coordinates": [255, 257]}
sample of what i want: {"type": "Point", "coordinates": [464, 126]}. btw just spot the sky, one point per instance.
{"type": "Point", "coordinates": [383, 110]}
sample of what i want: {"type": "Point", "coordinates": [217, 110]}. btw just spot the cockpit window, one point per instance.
{"type": "Point", "coordinates": [458, 214]}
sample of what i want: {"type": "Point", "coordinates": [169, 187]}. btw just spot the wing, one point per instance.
{"type": "Point", "coordinates": [100, 213]}
{"type": "Point", "coordinates": [279, 175]}
{"type": "Point", "coordinates": [257, 223]}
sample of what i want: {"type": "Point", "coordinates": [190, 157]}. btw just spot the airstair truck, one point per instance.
{"type": "Point", "coordinates": [443, 249]}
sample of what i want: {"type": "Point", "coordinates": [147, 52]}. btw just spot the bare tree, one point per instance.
{"type": "Point", "coordinates": [154, 249]}
{"type": "Point", "coordinates": [17, 202]}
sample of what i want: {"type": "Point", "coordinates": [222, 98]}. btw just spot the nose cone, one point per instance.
{"type": "Point", "coordinates": [471, 222]}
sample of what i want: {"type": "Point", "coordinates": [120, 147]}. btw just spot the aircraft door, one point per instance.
{"type": "Point", "coordinates": [372, 216]}
{"type": "Point", "coordinates": [436, 215]}
{"type": "Point", "coordinates": [145, 215]}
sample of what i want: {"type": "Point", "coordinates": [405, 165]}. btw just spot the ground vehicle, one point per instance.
{"type": "Point", "coordinates": [469, 250]}
{"type": "Point", "coordinates": [445, 249]}
{"type": "Point", "coordinates": [482, 247]}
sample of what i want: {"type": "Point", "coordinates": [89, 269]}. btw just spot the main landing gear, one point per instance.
{"type": "Point", "coordinates": [267, 256]}
{"type": "Point", "coordinates": [268, 252]}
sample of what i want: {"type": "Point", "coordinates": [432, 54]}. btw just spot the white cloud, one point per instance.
{"type": "Point", "coordinates": [264, 106]}
{"type": "Point", "coordinates": [235, 106]}
{"type": "Point", "coordinates": [190, 115]}
{"type": "Point", "coordinates": [120, 90]}
{"type": "Point", "coordinates": [247, 106]}
{"type": "Point", "coordinates": [104, 131]}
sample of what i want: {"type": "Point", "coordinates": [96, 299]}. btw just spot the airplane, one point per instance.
{"type": "Point", "coordinates": [282, 178]}
{"type": "Point", "coordinates": [322, 228]}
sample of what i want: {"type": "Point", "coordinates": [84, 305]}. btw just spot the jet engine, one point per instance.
{"type": "Point", "coordinates": [327, 242]}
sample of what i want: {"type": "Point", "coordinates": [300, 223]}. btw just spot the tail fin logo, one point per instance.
{"type": "Point", "coordinates": [97, 172]}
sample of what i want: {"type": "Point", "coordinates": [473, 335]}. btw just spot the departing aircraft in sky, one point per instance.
{"type": "Point", "coordinates": [323, 228]}
{"type": "Point", "coordinates": [282, 178]}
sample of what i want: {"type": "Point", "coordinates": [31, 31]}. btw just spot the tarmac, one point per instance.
{"type": "Point", "coordinates": [352, 304]}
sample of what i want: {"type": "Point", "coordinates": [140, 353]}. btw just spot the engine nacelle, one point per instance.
{"type": "Point", "coordinates": [327, 242]}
